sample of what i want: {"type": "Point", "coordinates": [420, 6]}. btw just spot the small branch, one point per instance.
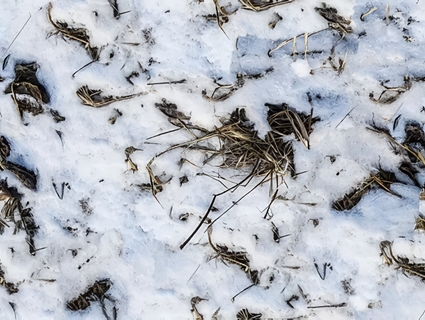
{"type": "Point", "coordinates": [167, 82]}
{"type": "Point", "coordinates": [340, 305]}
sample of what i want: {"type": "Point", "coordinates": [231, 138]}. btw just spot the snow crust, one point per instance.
{"type": "Point", "coordinates": [132, 240]}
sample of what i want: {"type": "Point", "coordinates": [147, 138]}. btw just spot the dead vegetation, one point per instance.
{"type": "Point", "coordinates": [245, 314]}
{"type": "Point", "coordinates": [93, 98]}
{"type": "Point", "coordinates": [403, 263]}
{"type": "Point", "coordinates": [129, 151]}
{"type": "Point", "coordinates": [80, 35]}
{"type": "Point", "coordinates": [27, 92]}
{"type": "Point", "coordinates": [412, 146]}
{"type": "Point", "coordinates": [224, 91]}
{"type": "Point", "coordinates": [9, 286]}
{"type": "Point", "coordinates": [262, 5]}
{"type": "Point", "coordinates": [194, 301]}
{"type": "Point", "coordinates": [391, 94]}
{"type": "Point", "coordinates": [285, 121]}
{"type": "Point", "coordinates": [335, 63]}
{"type": "Point", "coordinates": [238, 258]}
{"type": "Point", "coordinates": [382, 179]}
{"type": "Point", "coordinates": [97, 292]}
{"type": "Point", "coordinates": [24, 175]}
{"type": "Point", "coordinates": [221, 15]}
{"type": "Point", "coordinates": [14, 212]}
{"type": "Point", "coordinates": [335, 22]}
{"type": "Point", "coordinates": [420, 222]}
{"type": "Point", "coordinates": [240, 148]}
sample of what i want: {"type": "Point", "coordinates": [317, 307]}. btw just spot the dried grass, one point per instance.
{"type": "Point", "coordinates": [238, 258]}
{"type": "Point", "coordinates": [27, 92]}
{"type": "Point", "coordinates": [77, 34]}
{"type": "Point", "coordinates": [97, 292]}
{"type": "Point", "coordinates": [263, 5]}
{"type": "Point", "coordinates": [391, 94]}
{"type": "Point", "coordinates": [403, 263]}
{"type": "Point", "coordinates": [383, 179]}
{"type": "Point", "coordinates": [93, 98]}
{"type": "Point", "coordinates": [240, 148]}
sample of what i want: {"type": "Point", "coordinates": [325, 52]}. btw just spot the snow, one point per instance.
{"type": "Point", "coordinates": [130, 238]}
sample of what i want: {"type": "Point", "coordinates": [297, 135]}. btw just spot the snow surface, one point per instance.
{"type": "Point", "coordinates": [134, 241]}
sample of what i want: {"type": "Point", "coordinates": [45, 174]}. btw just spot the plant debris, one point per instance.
{"type": "Point", "coordinates": [196, 315]}
{"type": "Point", "coordinates": [337, 64]}
{"type": "Point", "coordinates": [97, 292]}
{"type": "Point", "coordinates": [383, 179]}
{"type": "Point", "coordinates": [10, 287]}
{"type": "Point", "coordinates": [410, 148]}
{"type": "Point", "coordinates": [28, 93]}
{"type": "Point", "coordinates": [234, 257]}
{"type": "Point", "coordinates": [420, 222]}
{"type": "Point", "coordinates": [286, 121]}
{"type": "Point", "coordinates": [306, 35]}
{"type": "Point", "coordinates": [77, 34]}
{"type": "Point", "coordinates": [14, 211]}
{"type": "Point", "coordinates": [128, 151]}
{"type": "Point", "coordinates": [261, 5]}
{"type": "Point", "coordinates": [391, 94]}
{"type": "Point", "coordinates": [224, 91]}
{"type": "Point", "coordinates": [346, 285]}
{"type": "Point", "coordinates": [85, 207]}
{"type": "Point", "coordinates": [408, 169]}
{"type": "Point", "coordinates": [113, 119]}
{"type": "Point", "coordinates": [24, 175]}
{"type": "Point", "coordinates": [335, 21]}
{"type": "Point", "coordinates": [276, 18]}
{"type": "Point", "coordinates": [170, 110]}
{"type": "Point", "coordinates": [221, 15]}
{"type": "Point", "coordinates": [184, 179]}
{"type": "Point", "coordinates": [363, 15]}
{"type": "Point", "coordinates": [114, 5]}
{"type": "Point", "coordinates": [155, 184]}
{"type": "Point", "coordinates": [240, 147]}
{"type": "Point", "coordinates": [57, 117]}
{"type": "Point", "coordinates": [416, 269]}
{"type": "Point", "coordinates": [93, 98]}
{"type": "Point", "coordinates": [245, 314]}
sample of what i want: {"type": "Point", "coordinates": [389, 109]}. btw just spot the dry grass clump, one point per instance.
{"type": "Point", "coordinates": [383, 179]}
{"type": "Point", "coordinates": [24, 175]}
{"type": "Point", "coordinates": [412, 147]}
{"type": "Point", "coordinates": [234, 257]}
{"type": "Point", "coordinates": [14, 212]}
{"type": "Point", "coordinates": [245, 314]}
{"type": "Point", "coordinates": [97, 292]}
{"type": "Point", "coordinates": [240, 147]}
{"type": "Point", "coordinates": [403, 263]}
{"type": "Point", "coordinates": [28, 93]}
{"type": "Point", "coordinates": [285, 121]}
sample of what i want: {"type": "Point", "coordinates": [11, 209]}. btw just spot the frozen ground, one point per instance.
{"type": "Point", "coordinates": [106, 227]}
